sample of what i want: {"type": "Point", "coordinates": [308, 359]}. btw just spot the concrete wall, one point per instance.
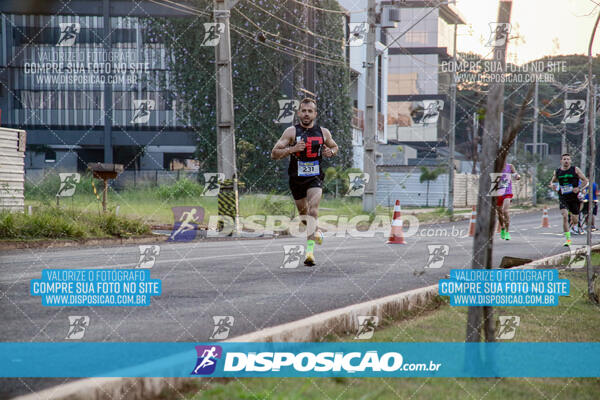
{"type": "Point", "coordinates": [12, 171]}
{"type": "Point", "coordinates": [405, 186]}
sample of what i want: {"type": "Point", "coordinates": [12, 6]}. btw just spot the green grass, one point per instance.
{"type": "Point", "coordinates": [61, 223]}
{"type": "Point", "coordinates": [153, 204]}
{"type": "Point", "coordinates": [573, 320]}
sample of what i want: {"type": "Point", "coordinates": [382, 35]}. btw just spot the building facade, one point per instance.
{"type": "Point", "coordinates": [416, 87]}
{"type": "Point", "coordinates": [89, 89]}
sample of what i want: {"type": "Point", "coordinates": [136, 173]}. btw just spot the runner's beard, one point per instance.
{"type": "Point", "coordinates": [306, 121]}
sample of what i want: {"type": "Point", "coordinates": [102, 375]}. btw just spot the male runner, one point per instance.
{"type": "Point", "coordinates": [570, 182]}
{"type": "Point", "coordinates": [585, 210]}
{"type": "Point", "coordinates": [306, 143]}
{"type": "Point", "coordinates": [503, 202]}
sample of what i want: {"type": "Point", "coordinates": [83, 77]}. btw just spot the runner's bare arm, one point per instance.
{"type": "Point", "coordinates": [331, 148]}
{"type": "Point", "coordinates": [551, 184]}
{"type": "Point", "coordinates": [282, 148]}
{"type": "Point", "coordinates": [514, 171]}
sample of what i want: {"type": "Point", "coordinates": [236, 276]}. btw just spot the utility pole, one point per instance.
{"type": "Point", "coordinates": [501, 129]}
{"type": "Point", "coordinates": [108, 101]}
{"type": "Point", "coordinates": [370, 167]}
{"type": "Point", "coordinates": [225, 123]}
{"type": "Point", "coordinates": [479, 317]}
{"type": "Point", "coordinates": [475, 144]}
{"type": "Point", "coordinates": [309, 65]}
{"type": "Point", "coordinates": [535, 130]}
{"type": "Point", "coordinates": [592, 176]}
{"type": "Point", "coordinates": [226, 157]}
{"type": "Point", "coordinates": [563, 139]}
{"type": "Point", "coordinates": [586, 126]}
{"type": "Point", "coordinates": [452, 138]}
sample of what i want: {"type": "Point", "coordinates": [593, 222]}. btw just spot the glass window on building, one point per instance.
{"type": "Point", "coordinates": [50, 156]}
{"type": "Point", "coordinates": [413, 74]}
{"type": "Point", "coordinates": [60, 100]}
{"type": "Point", "coordinates": [423, 34]}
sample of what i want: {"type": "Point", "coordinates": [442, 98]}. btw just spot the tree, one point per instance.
{"type": "Point", "coordinates": [259, 71]}
{"type": "Point", "coordinates": [428, 175]}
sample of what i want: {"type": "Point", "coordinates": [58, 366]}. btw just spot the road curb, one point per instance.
{"type": "Point", "coordinates": [340, 321]}
{"type": "Point", "coordinates": [156, 238]}
{"type": "Point", "coordinates": [58, 243]}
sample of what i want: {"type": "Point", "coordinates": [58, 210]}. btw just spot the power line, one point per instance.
{"type": "Point", "coordinates": [329, 10]}
{"type": "Point", "coordinates": [307, 56]}
{"type": "Point", "coordinates": [186, 8]}
{"type": "Point", "coordinates": [249, 35]}
{"type": "Point", "coordinates": [292, 25]}
{"type": "Point", "coordinates": [277, 35]}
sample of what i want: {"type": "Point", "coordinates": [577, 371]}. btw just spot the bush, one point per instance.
{"type": "Point", "coordinates": [57, 223]}
{"type": "Point", "coordinates": [49, 185]}
{"type": "Point", "coordinates": [183, 188]}
{"type": "Point", "coordinates": [277, 207]}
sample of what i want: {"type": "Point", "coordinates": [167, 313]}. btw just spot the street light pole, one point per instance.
{"type": "Point", "coordinates": [370, 167]}
{"type": "Point", "coordinates": [451, 139]}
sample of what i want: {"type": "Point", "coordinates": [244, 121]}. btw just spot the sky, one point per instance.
{"type": "Point", "coordinates": [544, 27]}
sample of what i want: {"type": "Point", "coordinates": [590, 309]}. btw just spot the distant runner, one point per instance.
{"type": "Point", "coordinates": [503, 202]}
{"type": "Point", "coordinates": [584, 209]}
{"type": "Point", "coordinates": [306, 143]}
{"type": "Point", "coordinates": [568, 178]}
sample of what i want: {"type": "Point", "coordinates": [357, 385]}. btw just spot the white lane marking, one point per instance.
{"type": "Point", "coordinates": [23, 278]}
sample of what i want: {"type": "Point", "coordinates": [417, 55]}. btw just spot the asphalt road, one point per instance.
{"type": "Point", "coordinates": [244, 279]}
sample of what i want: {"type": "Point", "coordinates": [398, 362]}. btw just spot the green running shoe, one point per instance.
{"type": "Point", "coordinates": [506, 236]}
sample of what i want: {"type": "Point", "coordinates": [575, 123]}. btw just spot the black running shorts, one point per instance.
{"type": "Point", "coordinates": [584, 209]}
{"type": "Point", "coordinates": [299, 186]}
{"type": "Point", "coordinates": [570, 202]}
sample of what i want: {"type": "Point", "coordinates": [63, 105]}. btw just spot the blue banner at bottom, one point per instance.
{"type": "Point", "coordinates": [228, 359]}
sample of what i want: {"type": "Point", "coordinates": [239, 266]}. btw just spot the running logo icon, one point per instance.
{"type": "Point", "coordinates": [223, 324]}
{"type": "Point", "coordinates": [77, 326]}
{"type": "Point", "coordinates": [212, 33]}
{"type": "Point", "coordinates": [357, 184]}
{"type": "Point", "coordinates": [437, 255]}
{"type": "Point", "coordinates": [499, 34]}
{"type": "Point", "coordinates": [207, 359]}
{"type": "Point", "coordinates": [148, 254]}
{"type": "Point", "coordinates": [68, 184]}
{"type": "Point", "coordinates": [212, 183]}
{"type": "Point", "coordinates": [366, 326]}
{"type": "Point", "coordinates": [498, 183]}
{"type": "Point", "coordinates": [428, 112]}
{"type": "Point", "coordinates": [357, 32]}
{"type": "Point", "coordinates": [574, 110]}
{"type": "Point", "coordinates": [287, 110]}
{"type": "Point", "coordinates": [186, 221]}
{"type": "Point", "coordinates": [506, 326]}
{"type": "Point", "coordinates": [141, 113]}
{"type": "Point", "coordinates": [68, 33]}
{"type": "Point", "coordinates": [292, 255]}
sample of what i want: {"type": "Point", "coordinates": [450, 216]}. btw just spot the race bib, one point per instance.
{"type": "Point", "coordinates": [308, 168]}
{"type": "Point", "coordinates": [564, 189]}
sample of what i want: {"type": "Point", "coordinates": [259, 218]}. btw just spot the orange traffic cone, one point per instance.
{"type": "Point", "coordinates": [472, 222]}
{"type": "Point", "coordinates": [396, 235]}
{"type": "Point", "coordinates": [545, 220]}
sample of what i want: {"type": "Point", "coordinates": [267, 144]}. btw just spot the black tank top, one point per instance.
{"type": "Point", "coordinates": [309, 160]}
{"type": "Point", "coordinates": [567, 179]}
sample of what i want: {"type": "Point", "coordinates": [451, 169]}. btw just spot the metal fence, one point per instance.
{"type": "Point", "coordinates": [404, 186]}
{"type": "Point", "coordinates": [127, 179]}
